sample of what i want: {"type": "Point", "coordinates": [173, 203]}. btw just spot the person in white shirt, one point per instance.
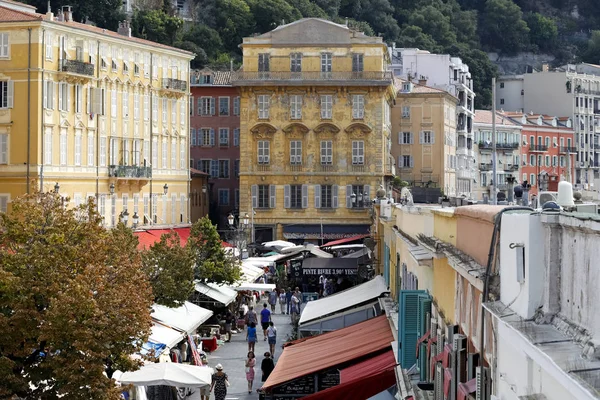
{"type": "Point", "coordinates": [272, 336]}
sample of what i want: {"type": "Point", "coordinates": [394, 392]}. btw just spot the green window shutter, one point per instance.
{"type": "Point", "coordinates": [407, 327]}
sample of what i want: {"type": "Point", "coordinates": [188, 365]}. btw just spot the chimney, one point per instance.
{"type": "Point", "coordinates": [124, 28]}
{"type": "Point", "coordinates": [67, 14]}
{"type": "Point", "coordinates": [49, 13]}
{"type": "Point", "coordinates": [423, 80]}
{"type": "Point", "coordinates": [545, 67]}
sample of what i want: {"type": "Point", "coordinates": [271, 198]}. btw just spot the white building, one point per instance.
{"type": "Point", "coordinates": [573, 90]}
{"type": "Point", "coordinates": [184, 9]}
{"type": "Point", "coordinates": [546, 322]}
{"type": "Point", "coordinates": [448, 73]}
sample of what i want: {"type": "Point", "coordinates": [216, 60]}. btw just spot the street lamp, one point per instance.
{"type": "Point", "coordinates": [135, 219]}
{"type": "Point", "coordinates": [124, 217]}
{"type": "Point", "coordinates": [112, 188]}
{"type": "Point", "coordinates": [166, 189]}
{"type": "Point", "coordinates": [246, 220]}
{"type": "Point", "coordinates": [353, 196]}
{"type": "Point", "coordinates": [230, 220]}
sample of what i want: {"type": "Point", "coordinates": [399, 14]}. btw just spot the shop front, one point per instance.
{"type": "Point", "coordinates": [322, 233]}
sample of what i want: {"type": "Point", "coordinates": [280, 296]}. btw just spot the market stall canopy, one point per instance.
{"type": "Point", "coordinates": [250, 272]}
{"type": "Point", "coordinates": [321, 352]}
{"type": "Point", "coordinates": [258, 287]}
{"type": "Point", "coordinates": [347, 299]}
{"type": "Point", "coordinates": [360, 388]}
{"type": "Point", "coordinates": [345, 240]}
{"type": "Point", "coordinates": [167, 336]}
{"type": "Point", "coordinates": [222, 294]}
{"type": "Point", "coordinates": [370, 366]}
{"type": "Point", "coordinates": [280, 244]}
{"type": "Point", "coordinates": [186, 318]}
{"type": "Point", "coordinates": [169, 374]}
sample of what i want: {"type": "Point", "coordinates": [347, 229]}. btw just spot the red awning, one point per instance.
{"type": "Point", "coordinates": [358, 389]}
{"type": "Point", "coordinates": [321, 352]}
{"type": "Point", "coordinates": [465, 389]}
{"type": "Point", "coordinates": [345, 240]}
{"type": "Point", "coordinates": [371, 366]}
{"type": "Point", "coordinates": [148, 237]}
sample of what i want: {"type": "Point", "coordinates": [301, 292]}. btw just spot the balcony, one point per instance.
{"type": "Point", "coordinates": [75, 71]}
{"type": "Point", "coordinates": [499, 146]}
{"type": "Point", "coordinates": [132, 172]}
{"type": "Point", "coordinates": [174, 87]}
{"type": "Point", "coordinates": [485, 166]}
{"type": "Point", "coordinates": [295, 168]}
{"type": "Point", "coordinates": [538, 147]}
{"type": "Point", "coordinates": [324, 168]}
{"type": "Point", "coordinates": [511, 167]}
{"type": "Point", "coordinates": [568, 150]}
{"type": "Point", "coordinates": [287, 78]}
{"type": "Point", "coordinates": [358, 168]}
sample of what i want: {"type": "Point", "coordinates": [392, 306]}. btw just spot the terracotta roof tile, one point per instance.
{"type": "Point", "coordinates": [221, 78]}
{"type": "Point", "coordinates": [485, 117]}
{"type": "Point", "coordinates": [416, 87]}
{"type": "Point", "coordinates": [10, 15]}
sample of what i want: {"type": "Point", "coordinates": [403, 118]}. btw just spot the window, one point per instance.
{"type": "Point", "coordinates": [532, 179]}
{"type": "Point", "coordinates": [427, 137]}
{"type": "Point", "coordinates": [296, 62]}
{"type": "Point", "coordinates": [326, 61]}
{"type": "Point", "coordinates": [192, 136]}
{"type": "Point", "coordinates": [223, 197]}
{"type": "Point", "coordinates": [501, 85]}
{"type": "Point", "coordinates": [4, 45]}
{"type": "Point", "coordinates": [163, 154]}
{"type": "Point", "coordinates": [295, 106]}
{"type": "Point", "coordinates": [406, 161]}
{"type": "Point", "coordinates": [91, 149]}
{"type": "Point", "coordinates": [263, 196]}
{"type": "Point", "coordinates": [236, 106]}
{"type": "Point", "coordinates": [237, 198]}
{"type": "Point", "coordinates": [77, 160]}
{"type": "Point", "coordinates": [360, 198]}
{"type": "Point", "coordinates": [501, 101]}
{"type": "Point", "coordinates": [182, 150]}
{"type": "Point", "coordinates": [554, 161]}
{"type": "Point", "coordinates": [3, 148]}
{"type": "Point", "coordinates": [63, 148]}
{"type": "Point", "coordinates": [547, 142]}
{"type": "Point", "coordinates": [326, 196]}
{"type": "Point", "coordinates": [224, 106]}
{"type": "Point", "coordinates": [137, 146]}
{"type": "Point", "coordinates": [357, 63]}
{"type": "Point", "coordinates": [204, 166]}
{"type": "Point", "coordinates": [49, 46]}
{"type": "Point", "coordinates": [102, 151]}
{"type": "Point", "coordinates": [483, 179]}
{"type": "Point", "coordinates": [224, 169]}
{"type": "Point", "coordinates": [173, 154]}
{"type": "Point", "coordinates": [263, 62]}
{"type": "Point", "coordinates": [154, 101]}
{"type": "Point", "coordinates": [63, 96]}
{"type": "Point", "coordinates": [206, 79]}
{"type": "Point", "coordinates": [236, 168]}
{"type": "Point", "coordinates": [49, 95]}
{"type": "Point", "coordinates": [78, 98]}
{"type": "Point", "coordinates": [224, 137]}
{"type": "Point", "coordinates": [547, 160]}
{"type": "Point", "coordinates": [125, 104]}
{"type": "Point", "coordinates": [113, 103]}
{"type": "Point", "coordinates": [326, 106]}
{"type": "Point", "coordinates": [236, 137]}
{"type": "Point", "coordinates": [405, 111]}
{"type": "Point", "coordinates": [165, 106]}
{"type": "Point", "coordinates": [207, 137]}
{"type": "Point", "coordinates": [562, 161]}
{"type": "Point", "coordinates": [3, 204]}
{"type": "Point", "coordinates": [263, 151]}
{"type": "Point", "coordinates": [405, 138]}
{"type": "Point", "coordinates": [358, 106]}
{"type": "Point", "coordinates": [295, 196]}
{"type": "Point", "coordinates": [214, 168]}
{"type": "Point", "coordinates": [296, 152]}
{"type": "Point", "coordinates": [146, 107]}
{"type": "Point", "coordinates": [206, 106]}
{"type": "Point", "coordinates": [326, 152]}
{"type": "Point", "coordinates": [358, 152]}
{"type": "Point", "coordinates": [263, 106]}
{"type": "Point", "coordinates": [136, 106]}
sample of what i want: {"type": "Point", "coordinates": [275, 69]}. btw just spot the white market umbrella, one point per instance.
{"type": "Point", "coordinates": [169, 374]}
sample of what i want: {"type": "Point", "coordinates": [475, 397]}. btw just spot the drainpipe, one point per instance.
{"type": "Point", "coordinates": [151, 141]}
{"type": "Point", "coordinates": [28, 110]}
{"type": "Point", "coordinates": [97, 66]}
{"type": "Point", "coordinates": [42, 109]}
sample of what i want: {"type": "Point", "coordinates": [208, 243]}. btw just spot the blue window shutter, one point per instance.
{"type": "Point", "coordinates": [254, 190]}
{"type": "Point", "coordinates": [212, 137]}
{"type": "Point", "coordinates": [424, 309]}
{"type": "Point", "coordinates": [286, 196]}
{"type": "Point", "coordinates": [407, 327]}
{"type": "Point", "coordinates": [304, 196]}
{"type": "Point", "coordinates": [272, 198]}
{"type": "Point", "coordinates": [317, 196]}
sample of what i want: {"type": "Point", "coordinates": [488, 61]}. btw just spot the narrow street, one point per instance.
{"type": "Point", "coordinates": [233, 355]}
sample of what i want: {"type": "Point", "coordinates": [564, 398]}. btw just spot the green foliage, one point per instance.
{"type": "Point", "coordinates": [206, 38]}
{"type": "Point", "coordinates": [201, 58]}
{"type": "Point", "coordinates": [591, 53]}
{"type": "Point", "coordinates": [74, 301]}
{"type": "Point", "coordinates": [156, 25]}
{"type": "Point", "coordinates": [269, 14]}
{"type": "Point", "coordinates": [502, 27]}
{"type": "Point", "coordinates": [543, 31]}
{"type": "Point", "coordinates": [105, 13]}
{"type": "Point", "coordinates": [212, 264]}
{"type": "Point", "coordinates": [234, 21]}
{"type": "Point", "coordinates": [170, 271]}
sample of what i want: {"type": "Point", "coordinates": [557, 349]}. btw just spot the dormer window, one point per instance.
{"type": "Point", "coordinates": [406, 87]}
{"type": "Point", "coordinates": [206, 79]}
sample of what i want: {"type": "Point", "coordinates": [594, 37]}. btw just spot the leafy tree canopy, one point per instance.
{"type": "Point", "coordinates": [157, 26]}
{"type": "Point", "coordinates": [74, 301]}
{"type": "Point", "coordinates": [503, 27]}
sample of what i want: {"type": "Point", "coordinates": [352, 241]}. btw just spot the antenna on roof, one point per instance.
{"type": "Point", "coordinates": [49, 8]}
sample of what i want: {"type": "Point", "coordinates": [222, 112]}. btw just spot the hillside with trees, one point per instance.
{"type": "Point", "coordinates": [564, 29]}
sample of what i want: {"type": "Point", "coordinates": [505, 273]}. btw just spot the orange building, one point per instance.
{"type": "Point", "coordinates": [547, 150]}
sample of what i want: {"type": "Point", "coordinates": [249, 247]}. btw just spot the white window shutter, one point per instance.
{"type": "Point", "coordinates": [400, 162]}
{"type": "Point", "coordinates": [421, 137]}
{"type": "Point", "coordinates": [412, 161]}
{"type": "Point", "coordinates": [432, 137]}
{"type": "Point", "coordinates": [334, 191]}
{"type": "Point", "coordinates": [412, 140]}
{"type": "Point", "coordinates": [254, 196]}
{"type": "Point", "coordinates": [272, 196]}
{"type": "Point", "coordinates": [11, 94]}
{"type": "Point", "coordinates": [304, 196]}
{"type": "Point", "coordinates": [366, 194]}
{"type": "Point", "coordinates": [317, 196]}
{"type": "Point", "coordinates": [60, 96]}
{"type": "Point", "coordinates": [348, 196]}
{"type": "Point", "coordinates": [212, 137]}
{"type": "Point", "coordinates": [3, 149]}
{"type": "Point", "coordinates": [286, 196]}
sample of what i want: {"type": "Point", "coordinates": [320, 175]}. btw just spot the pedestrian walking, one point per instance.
{"type": "Point", "coordinates": [295, 308]}
{"type": "Point", "coordinates": [272, 336]}
{"type": "Point", "coordinates": [267, 366]}
{"type": "Point", "coordinates": [288, 299]}
{"type": "Point", "coordinates": [250, 363]}
{"type": "Point", "coordinates": [265, 318]}
{"type": "Point", "coordinates": [273, 300]}
{"type": "Point", "coordinates": [251, 336]}
{"type": "Point", "coordinates": [219, 383]}
{"type": "Point", "coordinates": [229, 319]}
{"type": "Point", "coordinates": [251, 317]}
{"type": "Point", "coordinates": [298, 294]}
{"type": "Point", "coordinates": [282, 301]}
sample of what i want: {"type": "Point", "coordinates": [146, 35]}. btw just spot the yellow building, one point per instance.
{"type": "Point", "coordinates": [314, 130]}
{"type": "Point", "coordinates": [100, 114]}
{"type": "Point", "coordinates": [424, 143]}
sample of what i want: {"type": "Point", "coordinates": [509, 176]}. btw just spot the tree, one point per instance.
{"type": "Point", "coordinates": [211, 262]}
{"type": "Point", "coordinates": [234, 22]}
{"type": "Point", "coordinates": [206, 38]}
{"type": "Point", "coordinates": [435, 24]}
{"type": "Point", "coordinates": [104, 13]}
{"type": "Point", "coordinates": [269, 14]}
{"type": "Point", "coordinates": [201, 59]}
{"type": "Point", "coordinates": [413, 36]}
{"type": "Point", "coordinates": [170, 270]}
{"type": "Point", "coordinates": [74, 301]}
{"type": "Point", "coordinates": [592, 53]}
{"type": "Point", "coordinates": [157, 26]}
{"type": "Point", "coordinates": [503, 28]}
{"type": "Point", "coordinates": [543, 31]}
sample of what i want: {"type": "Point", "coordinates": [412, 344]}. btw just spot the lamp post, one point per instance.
{"type": "Point", "coordinates": [124, 217]}
{"type": "Point", "coordinates": [239, 231]}
{"type": "Point", "coordinates": [56, 187]}
{"type": "Point", "coordinates": [111, 188]}
{"type": "Point", "coordinates": [135, 219]}
{"type": "Point", "coordinates": [165, 189]}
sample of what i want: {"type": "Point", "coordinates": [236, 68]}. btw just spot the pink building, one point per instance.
{"type": "Point", "coordinates": [215, 139]}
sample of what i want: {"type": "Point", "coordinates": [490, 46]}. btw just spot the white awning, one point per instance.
{"type": "Point", "coordinates": [344, 300]}
{"type": "Point", "coordinates": [186, 318]}
{"type": "Point", "coordinates": [222, 294]}
{"type": "Point", "coordinates": [167, 336]}
{"type": "Point", "coordinates": [259, 287]}
{"type": "Point", "coordinates": [250, 272]}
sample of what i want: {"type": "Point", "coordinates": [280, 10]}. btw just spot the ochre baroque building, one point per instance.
{"type": "Point", "coordinates": [99, 115]}
{"type": "Point", "coordinates": [314, 130]}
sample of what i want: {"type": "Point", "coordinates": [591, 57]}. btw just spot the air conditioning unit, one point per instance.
{"type": "Point", "coordinates": [484, 384]}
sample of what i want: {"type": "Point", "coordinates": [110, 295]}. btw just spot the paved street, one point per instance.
{"type": "Point", "coordinates": [233, 355]}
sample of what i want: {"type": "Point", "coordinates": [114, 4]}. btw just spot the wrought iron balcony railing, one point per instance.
{"type": "Point", "coordinates": [249, 78]}
{"type": "Point", "coordinates": [538, 147]}
{"type": "Point", "coordinates": [174, 84]}
{"type": "Point", "coordinates": [129, 171]}
{"type": "Point", "coordinates": [499, 146]}
{"type": "Point", "coordinates": [77, 67]}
